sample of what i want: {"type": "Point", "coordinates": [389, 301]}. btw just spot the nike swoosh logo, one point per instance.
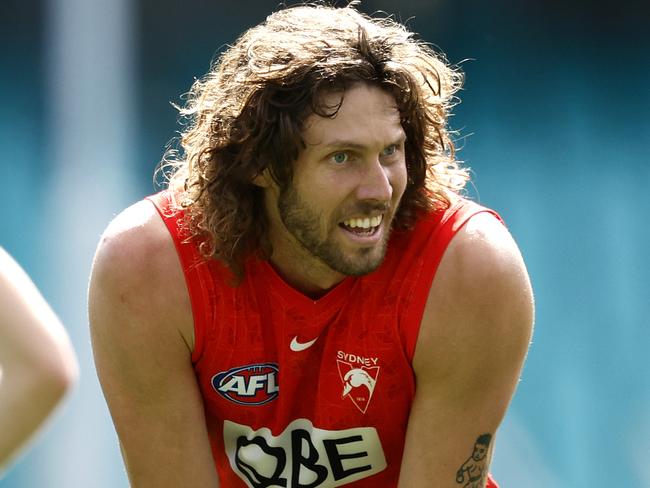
{"type": "Point", "coordinates": [301, 346]}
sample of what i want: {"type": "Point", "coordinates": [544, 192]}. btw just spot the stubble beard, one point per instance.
{"type": "Point", "coordinates": [304, 224]}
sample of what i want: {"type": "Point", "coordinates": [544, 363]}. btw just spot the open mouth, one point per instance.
{"type": "Point", "coordinates": [363, 227]}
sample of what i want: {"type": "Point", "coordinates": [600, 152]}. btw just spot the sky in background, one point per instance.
{"type": "Point", "coordinates": [554, 121]}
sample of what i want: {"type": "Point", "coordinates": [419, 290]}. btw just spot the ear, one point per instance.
{"type": "Point", "coordinates": [263, 179]}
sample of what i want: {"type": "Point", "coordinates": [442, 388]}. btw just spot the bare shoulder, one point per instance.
{"type": "Point", "coordinates": [484, 253]}
{"type": "Point", "coordinates": [480, 306]}
{"type": "Point", "coordinates": [136, 238]}
{"type": "Point", "coordinates": [136, 269]}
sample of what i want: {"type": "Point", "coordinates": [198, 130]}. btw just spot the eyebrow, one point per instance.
{"type": "Point", "coordinates": [343, 143]}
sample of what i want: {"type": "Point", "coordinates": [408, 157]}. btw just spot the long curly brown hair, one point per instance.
{"type": "Point", "coordinates": [247, 113]}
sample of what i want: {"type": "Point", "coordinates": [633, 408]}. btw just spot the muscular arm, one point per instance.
{"type": "Point", "coordinates": [37, 363]}
{"type": "Point", "coordinates": [473, 340]}
{"type": "Point", "coordinates": [142, 336]}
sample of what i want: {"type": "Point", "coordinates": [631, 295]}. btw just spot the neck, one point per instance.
{"type": "Point", "coordinates": [300, 269]}
{"type": "Point", "coordinates": [313, 279]}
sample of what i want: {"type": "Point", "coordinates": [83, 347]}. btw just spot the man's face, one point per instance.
{"type": "Point", "coordinates": [479, 452]}
{"type": "Point", "coordinates": [347, 183]}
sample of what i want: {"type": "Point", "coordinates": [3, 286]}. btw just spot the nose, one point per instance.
{"type": "Point", "coordinates": [375, 183]}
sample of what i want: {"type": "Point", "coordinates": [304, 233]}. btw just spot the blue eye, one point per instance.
{"type": "Point", "coordinates": [390, 150]}
{"type": "Point", "coordinates": [339, 158]}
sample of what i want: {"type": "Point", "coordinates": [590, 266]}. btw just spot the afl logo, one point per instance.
{"type": "Point", "coordinates": [254, 384]}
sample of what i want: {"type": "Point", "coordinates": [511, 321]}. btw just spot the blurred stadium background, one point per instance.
{"type": "Point", "coordinates": [554, 122]}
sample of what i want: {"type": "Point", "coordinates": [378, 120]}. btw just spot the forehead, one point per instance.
{"type": "Point", "coordinates": [367, 116]}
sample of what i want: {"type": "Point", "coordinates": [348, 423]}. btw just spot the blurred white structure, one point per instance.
{"type": "Point", "coordinates": [90, 85]}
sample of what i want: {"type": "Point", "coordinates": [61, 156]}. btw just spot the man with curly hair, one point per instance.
{"type": "Point", "coordinates": [311, 302]}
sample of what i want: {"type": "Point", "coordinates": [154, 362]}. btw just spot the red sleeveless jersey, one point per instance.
{"type": "Point", "coordinates": [311, 393]}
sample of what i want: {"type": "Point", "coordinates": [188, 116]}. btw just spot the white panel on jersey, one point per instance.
{"type": "Point", "coordinates": [302, 455]}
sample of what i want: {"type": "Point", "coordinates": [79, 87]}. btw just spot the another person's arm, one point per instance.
{"type": "Point", "coordinates": [472, 344]}
{"type": "Point", "coordinates": [142, 336]}
{"type": "Point", "coordinates": [37, 362]}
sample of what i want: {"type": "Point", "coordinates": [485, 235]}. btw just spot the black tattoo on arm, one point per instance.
{"type": "Point", "coordinates": [473, 472]}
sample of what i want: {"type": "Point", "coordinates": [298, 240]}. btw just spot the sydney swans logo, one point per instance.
{"type": "Point", "coordinates": [359, 377]}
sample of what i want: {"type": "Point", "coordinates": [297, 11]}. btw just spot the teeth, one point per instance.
{"type": "Point", "coordinates": [365, 223]}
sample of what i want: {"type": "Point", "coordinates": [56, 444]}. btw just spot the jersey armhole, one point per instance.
{"type": "Point", "coordinates": [451, 223]}
{"type": "Point", "coordinates": [193, 265]}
